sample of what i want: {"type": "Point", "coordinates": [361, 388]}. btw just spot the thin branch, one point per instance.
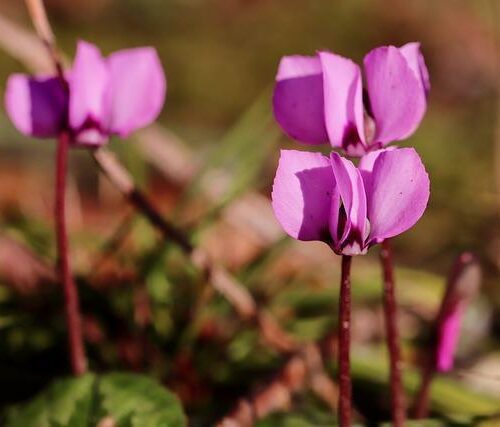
{"type": "Point", "coordinates": [222, 281]}
{"type": "Point", "coordinates": [42, 26]}
{"type": "Point", "coordinates": [112, 244]}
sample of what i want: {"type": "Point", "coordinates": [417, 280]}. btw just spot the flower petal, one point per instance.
{"type": "Point", "coordinates": [398, 193]}
{"type": "Point", "coordinates": [397, 97]}
{"type": "Point", "coordinates": [302, 193]}
{"type": "Point", "coordinates": [352, 193]}
{"type": "Point", "coordinates": [137, 89]}
{"type": "Point", "coordinates": [366, 164]}
{"type": "Point", "coordinates": [87, 84]}
{"type": "Point", "coordinates": [415, 59]}
{"type": "Point", "coordinates": [343, 102]}
{"type": "Point", "coordinates": [298, 99]}
{"type": "Point", "coordinates": [448, 338]}
{"type": "Point", "coordinates": [36, 106]}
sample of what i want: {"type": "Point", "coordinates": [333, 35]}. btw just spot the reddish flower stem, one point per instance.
{"type": "Point", "coordinates": [344, 370]}
{"type": "Point", "coordinates": [422, 401]}
{"type": "Point", "coordinates": [71, 306]}
{"type": "Point", "coordinates": [398, 398]}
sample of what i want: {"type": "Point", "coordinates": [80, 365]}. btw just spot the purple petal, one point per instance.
{"type": "Point", "coordinates": [397, 99]}
{"type": "Point", "coordinates": [87, 84]}
{"type": "Point", "coordinates": [137, 89]}
{"type": "Point", "coordinates": [398, 193]}
{"type": "Point", "coordinates": [352, 193]}
{"type": "Point", "coordinates": [343, 102]}
{"type": "Point", "coordinates": [302, 193]}
{"type": "Point", "coordinates": [448, 337]}
{"type": "Point", "coordinates": [366, 164]}
{"type": "Point", "coordinates": [36, 106]}
{"type": "Point", "coordinates": [298, 99]}
{"type": "Point", "coordinates": [415, 59]}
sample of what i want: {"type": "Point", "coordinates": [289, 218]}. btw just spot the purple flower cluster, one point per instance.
{"type": "Point", "coordinates": [320, 99]}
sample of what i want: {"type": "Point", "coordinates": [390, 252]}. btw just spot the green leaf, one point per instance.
{"type": "Point", "coordinates": [139, 401]}
{"type": "Point", "coordinates": [56, 405]}
{"type": "Point", "coordinates": [129, 400]}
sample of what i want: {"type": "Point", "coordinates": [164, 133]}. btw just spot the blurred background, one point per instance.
{"type": "Point", "coordinates": [219, 144]}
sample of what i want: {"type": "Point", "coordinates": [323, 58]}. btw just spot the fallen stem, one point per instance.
{"type": "Point", "coordinates": [344, 370]}
{"type": "Point", "coordinates": [71, 306]}
{"type": "Point", "coordinates": [238, 295]}
{"type": "Point", "coordinates": [398, 398]}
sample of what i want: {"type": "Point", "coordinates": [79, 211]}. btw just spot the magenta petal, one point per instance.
{"type": "Point", "coordinates": [397, 194]}
{"type": "Point", "coordinates": [448, 337]}
{"type": "Point", "coordinates": [415, 59]}
{"type": "Point", "coordinates": [397, 99]}
{"type": "Point", "coordinates": [343, 102]}
{"type": "Point", "coordinates": [298, 99]}
{"type": "Point", "coordinates": [36, 106]}
{"type": "Point", "coordinates": [137, 88]}
{"type": "Point", "coordinates": [87, 83]}
{"type": "Point", "coordinates": [352, 193]}
{"type": "Point", "coordinates": [366, 164]}
{"type": "Point", "coordinates": [302, 192]}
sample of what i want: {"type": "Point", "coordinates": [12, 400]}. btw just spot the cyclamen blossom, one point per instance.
{"type": "Point", "coordinates": [104, 96]}
{"type": "Point", "coordinates": [319, 99]}
{"type": "Point", "coordinates": [350, 208]}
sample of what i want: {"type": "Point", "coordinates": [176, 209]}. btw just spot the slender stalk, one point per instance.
{"type": "Point", "coordinates": [71, 306]}
{"type": "Point", "coordinates": [345, 386]}
{"type": "Point", "coordinates": [422, 401]}
{"type": "Point", "coordinates": [398, 398]}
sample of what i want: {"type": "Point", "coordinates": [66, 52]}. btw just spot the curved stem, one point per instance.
{"type": "Point", "coordinates": [398, 398]}
{"type": "Point", "coordinates": [345, 387]}
{"type": "Point", "coordinates": [71, 306]}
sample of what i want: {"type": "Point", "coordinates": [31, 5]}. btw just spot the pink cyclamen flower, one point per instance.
{"type": "Point", "coordinates": [351, 208]}
{"type": "Point", "coordinates": [104, 96]}
{"type": "Point", "coordinates": [319, 99]}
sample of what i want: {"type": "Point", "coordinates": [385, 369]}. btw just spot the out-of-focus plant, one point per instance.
{"type": "Point", "coordinates": [83, 107]}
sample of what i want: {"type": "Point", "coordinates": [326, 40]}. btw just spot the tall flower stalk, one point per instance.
{"type": "Point", "coordinates": [345, 386]}
{"type": "Point", "coordinates": [398, 398]}
{"type": "Point", "coordinates": [71, 306]}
